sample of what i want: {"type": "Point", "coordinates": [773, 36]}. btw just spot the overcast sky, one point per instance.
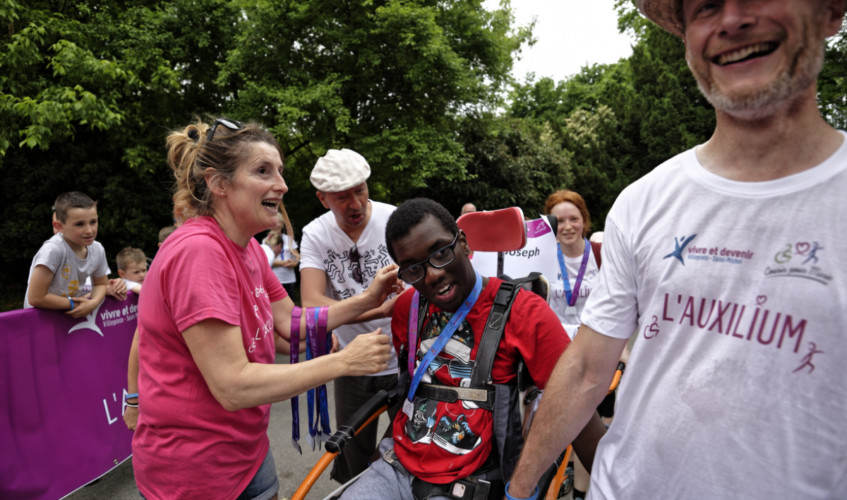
{"type": "Point", "coordinates": [570, 34]}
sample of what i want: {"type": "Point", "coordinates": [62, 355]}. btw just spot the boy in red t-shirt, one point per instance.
{"type": "Point", "coordinates": [440, 447]}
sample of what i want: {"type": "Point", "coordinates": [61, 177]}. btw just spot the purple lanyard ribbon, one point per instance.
{"type": "Point", "coordinates": [294, 358]}
{"type": "Point", "coordinates": [317, 344]}
{"type": "Point", "coordinates": [571, 297]}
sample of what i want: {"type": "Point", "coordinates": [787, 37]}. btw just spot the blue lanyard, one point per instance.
{"type": "Point", "coordinates": [571, 297]}
{"type": "Point", "coordinates": [443, 337]}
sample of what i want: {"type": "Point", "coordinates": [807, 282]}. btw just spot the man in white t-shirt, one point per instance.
{"type": "Point", "coordinates": [727, 260]}
{"type": "Point", "coordinates": [340, 254]}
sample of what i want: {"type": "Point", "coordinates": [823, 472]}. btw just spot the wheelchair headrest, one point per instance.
{"type": "Point", "coordinates": [494, 230]}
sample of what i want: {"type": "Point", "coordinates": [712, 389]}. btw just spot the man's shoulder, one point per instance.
{"type": "Point", "coordinates": [380, 212]}
{"type": "Point", "coordinates": [319, 223]}
{"type": "Point", "coordinates": [657, 183]}
{"type": "Point", "coordinates": [382, 207]}
{"type": "Point", "coordinates": [671, 166]}
{"type": "Point", "coordinates": [521, 298]}
{"type": "Point", "coordinates": [528, 299]}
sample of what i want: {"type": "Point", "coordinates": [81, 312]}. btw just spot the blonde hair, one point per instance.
{"type": "Point", "coordinates": [275, 238]}
{"type": "Point", "coordinates": [165, 232]}
{"type": "Point", "coordinates": [191, 154]}
{"type": "Point", "coordinates": [129, 256]}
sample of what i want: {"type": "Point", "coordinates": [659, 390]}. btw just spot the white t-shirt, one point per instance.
{"type": "Point", "coordinates": [69, 271]}
{"type": "Point", "coordinates": [285, 274]}
{"type": "Point", "coordinates": [327, 247]}
{"type": "Point", "coordinates": [132, 285]}
{"type": "Point", "coordinates": [736, 384]}
{"type": "Point", "coordinates": [569, 315]}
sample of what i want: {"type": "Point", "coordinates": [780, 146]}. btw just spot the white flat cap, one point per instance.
{"type": "Point", "coordinates": [339, 170]}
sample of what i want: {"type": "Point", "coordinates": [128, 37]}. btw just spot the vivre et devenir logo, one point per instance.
{"type": "Point", "coordinates": [684, 250]}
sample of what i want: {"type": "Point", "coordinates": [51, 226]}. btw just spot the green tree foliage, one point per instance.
{"type": "Point", "coordinates": [83, 88]}
{"type": "Point", "coordinates": [89, 89]}
{"type": "Point", "coordinates": [515, 162]}
{"type": "Point", "coordinates": [617, 122]}
{"type": "Point", "coordinates": [832, 84]}
{"type": "Point", "coordinates": [388, 79]}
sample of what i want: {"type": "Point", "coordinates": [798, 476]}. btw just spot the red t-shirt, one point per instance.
{"type": "Point", "coordinates": [186, 444]}
{"type": "Point", "coordinates": [448, 441]}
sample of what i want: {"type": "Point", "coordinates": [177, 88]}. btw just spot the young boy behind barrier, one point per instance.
{"type": "Point", "coordinates": [63, 262]}
{"type": "Point", "coordinates": [132, 267]}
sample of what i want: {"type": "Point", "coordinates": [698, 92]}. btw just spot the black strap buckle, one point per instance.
{"type": "Point", "coordinates": [470, 488]}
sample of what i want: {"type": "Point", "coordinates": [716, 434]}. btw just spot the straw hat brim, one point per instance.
{"type": "Point", "coordinates": [668, 14]}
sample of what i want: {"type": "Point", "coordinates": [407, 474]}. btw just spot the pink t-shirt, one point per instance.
{"type": "Point", "coordinates": [186, 444]}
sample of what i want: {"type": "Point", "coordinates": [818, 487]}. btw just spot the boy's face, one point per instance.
{"type": "Point", "coordinates": [135, 271]}
{"type": "Point", "coordinates": [446, 287]}
{"type": "Point", "coordinates": [80, 227]}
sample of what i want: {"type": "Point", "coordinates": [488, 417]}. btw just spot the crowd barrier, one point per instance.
{"type": "Point", "coordinates": [62, 386]}
{"type": "Point", "coordinates": [63, 382]}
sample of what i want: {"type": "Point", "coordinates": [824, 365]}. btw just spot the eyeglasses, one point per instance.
{"type": "Point", "coordinates": [355, 267]}
{"type": "Point", "coordinates": [437, 259]}
{"type": "Point", "coordinates": [226, 122]}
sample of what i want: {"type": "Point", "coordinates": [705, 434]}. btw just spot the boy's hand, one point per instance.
{"type": "Point", "coordinates": [116, 288]}
{"type": "Point", "coordinates": [386, 309]}
{"type": "Point", "coordinates": [84, 306]}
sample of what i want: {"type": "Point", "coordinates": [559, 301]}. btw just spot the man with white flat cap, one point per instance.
{"type": "Point", "coordinates": [727, 260]}
{"type": "Point", "coordinates": [340, 254]}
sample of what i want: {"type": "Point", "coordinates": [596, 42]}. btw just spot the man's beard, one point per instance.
{"type": "Point", "coordinates": [761, 102]}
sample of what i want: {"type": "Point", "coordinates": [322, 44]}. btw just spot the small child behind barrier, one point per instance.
{"type": "Point", "coordinates": [132, 267]}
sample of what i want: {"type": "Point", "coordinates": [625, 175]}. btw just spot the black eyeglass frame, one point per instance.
{"type": "Point", "coordinates": [428, 261]}
{"type": "Point", "coordinates": [226, 122]}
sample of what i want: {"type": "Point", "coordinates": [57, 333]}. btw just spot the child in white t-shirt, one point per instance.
{"type": "Point", "coordinates": [132, 267]}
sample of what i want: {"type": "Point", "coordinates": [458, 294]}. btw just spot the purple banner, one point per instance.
{"type": "Point", "coordinates": [537, 227]}
{"type": "Point", "coordinates": [62, 382]}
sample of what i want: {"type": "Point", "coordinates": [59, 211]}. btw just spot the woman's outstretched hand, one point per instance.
{"type": "Point", "coordinates": [368, 353]}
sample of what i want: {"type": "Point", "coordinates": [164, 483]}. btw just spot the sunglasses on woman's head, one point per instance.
{"type": "Point", "coordinates": [226, 122]}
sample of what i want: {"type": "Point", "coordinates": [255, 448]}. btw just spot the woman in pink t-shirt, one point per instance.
{"type": "Point", "coordinates": [209, 319]}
